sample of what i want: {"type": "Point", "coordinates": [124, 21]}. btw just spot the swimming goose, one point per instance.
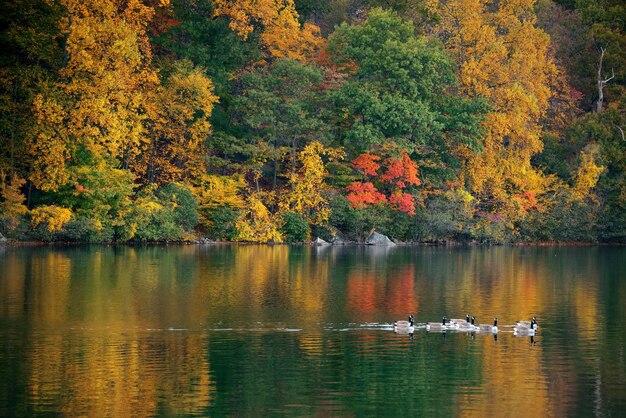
{"type": "Point", "coordinates": [489, 328]}
{"type": "Point", "coordinates": [525, 327]}
{"type": "Point", "coordinates": [527, 324]}
{"type": "Point", "coordinates": [455, 321]}
{"type": "Point", "coordinates": [404, 326]}
{"type": "Point", "coordinates": [467, 326]}
{"type": "Point", "coordinates": [436, 326]}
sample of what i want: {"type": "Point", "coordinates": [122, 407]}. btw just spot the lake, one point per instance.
{"type": "Point", "coordinates": [221, 330]}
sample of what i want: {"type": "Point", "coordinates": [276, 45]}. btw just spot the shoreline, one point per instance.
{"type": "Point", "coordinates": [14, 243]}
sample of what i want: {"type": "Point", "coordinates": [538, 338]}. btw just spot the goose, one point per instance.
{"type": "Point", "coordinates": [532, 324]}
{"type": "Point", "coordinates": [455, 322]}
{"type": "Point", "coordinates": [404, 326]}
{"type": "Point", "coordinates": [436, 326]}
{"type": "Point", "coordinates": [525, 327]}
{"type": "Point", "coordinates": [489, 328]}
{"type": "Point", "coordinates": [467, 326]}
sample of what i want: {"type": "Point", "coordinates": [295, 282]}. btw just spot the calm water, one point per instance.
{"type": "Point", "coordinates": [270, 331]}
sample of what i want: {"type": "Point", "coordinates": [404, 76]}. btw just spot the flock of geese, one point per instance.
{"type": "Point", "coordinates": [468, 325]}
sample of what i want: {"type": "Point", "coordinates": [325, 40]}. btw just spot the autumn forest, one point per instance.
{"type": "Point", "coordinates": [489, 121]}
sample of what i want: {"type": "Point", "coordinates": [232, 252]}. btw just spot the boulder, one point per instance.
{"type": "Point", "coordinates": [379, 239]}
{"type": "Point", "coordinates": [336, 240]}
{"type": "Point", "coordinates": [318, 241]}
{"type": "Point", "coordinates": [3, 240]}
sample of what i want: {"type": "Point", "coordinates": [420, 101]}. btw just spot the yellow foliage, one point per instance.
{"type": "Point", "coordinates": [180, 125]}
{"type": "Point", "coordinates": [307, 185]}
{"type": "Point", "coordinates": [588, 174]}
{"type": "Point", "coordinates": [54, 216]}
{"type": "Point", "coordinates": [503, 57]}
{"type": "Point", "coordinates": [281, 36]}
{"type": "Point", "coordinates": [107, 93]}
{"type": "Point", "coordinates": [215, 191]}
{"type": "Point", "coordinates": [256, 223]}
{"type": "Point", "coordinates": [11, 200]}
{"type": "Point", "coordinates": [50, 147]}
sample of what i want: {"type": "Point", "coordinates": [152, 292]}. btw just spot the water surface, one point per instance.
{"type": "Point", "coordinates": [260, 330]}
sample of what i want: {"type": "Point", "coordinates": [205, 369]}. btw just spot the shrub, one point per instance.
{"type": "Point", "coordinates": [221, 222]}
{"type": "Point", "coordinates": [153, 221]}
{"type": "Point", "coordinates": [295, 227]}
{"type": "Point", "coordinates": [185, 205]}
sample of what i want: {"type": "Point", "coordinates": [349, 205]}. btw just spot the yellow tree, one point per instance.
{"type": "Point", "coordinates": [178, 128]}
{"type": "Point", "coordinates": [99, 109]}
{"type": "Point", "coordinates": [503, 57]}
{"type": "Point", "coordinates": [281, 34]}
{"type": "Point", "coordinates": [306, 196]}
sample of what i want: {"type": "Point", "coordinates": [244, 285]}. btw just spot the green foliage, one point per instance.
{"type": "Point", "coordinates": [357, 224]}
{"type": "Point", "coordinates": [152, 219]}
{"type": "Point", "coordinates": [295, 228]}
{"type": "Point", "coordinates": [185, 206]}
{"type": "Point", "coordinates": [281, 110]}
{"type": "Point", "coordinates": [222, 222]}
{"type": "Point", "coordinates": [208, 42]}
{"type": "Point", "coordinates": [569, 219]}
{"type": "Point", "coordinates": [400, 88]}
{"type": "Point", "coordinates": [81, 229]}
{"type": "Point", "coordinates": [447, 216]}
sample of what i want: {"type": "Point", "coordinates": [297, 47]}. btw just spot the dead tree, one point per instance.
{"type": "Point", "coordinates": [602, 82]}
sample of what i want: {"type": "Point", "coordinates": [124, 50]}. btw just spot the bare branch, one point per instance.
{"type": "Point", "coordinates": [610, 78]}
{"type": "Point", "coordinates": [621, 131]}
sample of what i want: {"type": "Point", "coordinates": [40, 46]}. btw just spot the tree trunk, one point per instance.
{"type": "Point", "coordinates": [602, 83]}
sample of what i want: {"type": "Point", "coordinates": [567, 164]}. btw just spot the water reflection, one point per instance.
{"type": "Point", "coordinates": [123, 331]}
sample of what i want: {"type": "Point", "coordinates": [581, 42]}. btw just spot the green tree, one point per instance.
{"type": "Point", "coordinates": [282, 109]}
{"type": "Point", "coordinates": [400, 89]}
{"type": "Point", "coordinates": [30, 54]}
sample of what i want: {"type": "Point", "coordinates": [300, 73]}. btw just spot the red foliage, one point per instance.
{"type": "Point", "coordinates": [367, 163]}
{"type": "Point", "coordinates": [528, 201]}
{"type": "Point", "coordinates": [410, 170]}
{"type": "Point", "coordinates": [163, 19]}
{"type": "Point", "coordinates": [399, 173]}
{"type": "Point", "coordinates": [404, 202]}
{"type": "Point", "coordinates": [362, 194]}
{"type": "Point", "coordinates": [394, 170]}
{"type": "Point", "coordinates": [404, 169]}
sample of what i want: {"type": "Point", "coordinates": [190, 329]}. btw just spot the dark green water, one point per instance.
{"type": "Point", "coordinates": [271, 331]}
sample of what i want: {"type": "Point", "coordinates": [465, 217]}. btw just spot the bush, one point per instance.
{"type": "Point", "coordinates": [153, 221]}
{"type": "Point", "coordinates": [185, 210]}
{"type": "Point", "coordinates": [81, 229]}
{"type": "Point", "coordinates": [221, 222]}
{"type": "Point", "coordinates": [357, 224]}
{"type": "Point", "coordinates": [295, 228]}
{"type": "Point", "coordinates": [446, 216]}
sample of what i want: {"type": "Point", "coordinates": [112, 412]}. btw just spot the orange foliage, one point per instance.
{"type": "Point", "coordinates": [527, 201]}
{"type": "Point", "coordinates": [367, 164]}
{"type": "Point", "coordinates": [403, 202]}
{"type": "Point", "coordinates": [282, 35]}
{"type": "Point", "coordinates": [399, 173]}
{"type": "Point", "coordinates": [362, 194]}
{"type": "Point", "coordinates": [403, 169]}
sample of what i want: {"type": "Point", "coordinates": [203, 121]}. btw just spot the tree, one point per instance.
{"type": "Point", "coordinates": [399, 174]}
{"type": "Point", "coordinates": [306, 193]}
{"type": "Point", "coordinates": [282, 36]}
{"type": "Point", "coordinates": [30, 53]}
{"type": "Point", "coordinates": [504, 58]}
{"type": "Point", "coordinates": [98, 110]}
{"type": "Point", "coordinates": [179, 130]}
{"type": "Point", "coordinates": [281, 108]}
{"type": "Point", "coordinates": [400, 89]}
